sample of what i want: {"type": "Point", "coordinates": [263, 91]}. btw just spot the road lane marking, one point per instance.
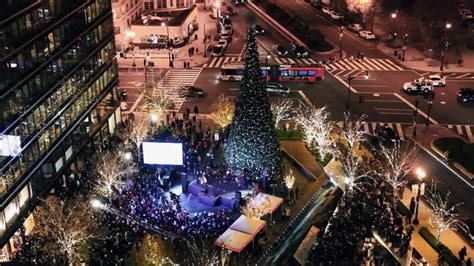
{"type": "Point", "coordinates": [393, 113]}
{"type": "Point", "coordinates": [469, 134]}
{"type": "Point", "coordinates": [305, 98]}
{"type": "Point", "coordinates": [459, 129]}
{"type": "Point", "coordinates": [450, 126]}
{"type": "Point", "coordinates": [394, 109]}
{"type": "Point", "coordinates": [463, 75]}
{"type": "Point", "coordinates": [382, 101]}
{"type": "Point", "coordinates": [371, 86]}
{"type": "Point", "coordinates": [400, 130]}
{"type": "Point", "coordinates": [390, 62]}
{"type": "Point", "coordinates": [414, 108]}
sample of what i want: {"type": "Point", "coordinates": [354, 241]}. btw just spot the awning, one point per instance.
{"type": "Point", "coordinates": [248, 225]}
{"type": "Point", "coordinates": [234, 240]}
{"type": "Point", "coordinates": [275, 202]}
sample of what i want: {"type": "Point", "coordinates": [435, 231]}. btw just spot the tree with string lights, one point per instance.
{"type": "Point", "coordinates": [111, 167]}
{"type": "Point", "coordinates": [223, 111]}
{"type": "Point", "coordinates": [281, 110]}
{"type": "Point", "coordinates": [444, 216]}
{"type": "Point", "coordinates": [253, 145]}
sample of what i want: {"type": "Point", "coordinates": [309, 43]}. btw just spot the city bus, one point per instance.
{"type": "Point", "coordinates": [234, 71]}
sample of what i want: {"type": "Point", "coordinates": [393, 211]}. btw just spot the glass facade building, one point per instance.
{"type": "Point", "coordinates": [58, 75]}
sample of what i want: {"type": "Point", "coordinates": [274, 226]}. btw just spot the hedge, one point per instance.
{"type": "Point", "coordinates": [460, 151]}
{"type": "Point", "coordinates": [439, 247]}
{"type": "Point", "coordinates": [290, 135]}
{"type": "Point", "coordinates": [402, 209]}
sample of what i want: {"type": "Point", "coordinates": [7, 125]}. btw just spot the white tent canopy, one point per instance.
{"type": "Point", "coordinates": [248, 225]}
{"type": "Point", "coordinates": [234, 240]}
{"type": "Point", "coordinates": [275, 202]}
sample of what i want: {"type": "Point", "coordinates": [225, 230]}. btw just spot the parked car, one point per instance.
{"type": "Point", "coordinates": [225, 20]}
{"type": "Point", "coordinates": [275, 88]}
{"type": "Point", "coordinates": [298, 50]}
{"type": "Point", "coordinates": [218, 51]}
{"type": "Point", "coordinates": [418, 86]}
{"type": "Point", "coordinates": [238, 2]}
{"type": "Point", "coordinates": [355, 27]}
{"type": "Point", "coordinates": [465, 95]}
{"type": "Point", "coordinates": [227, 36]}
{"type": "Point", "coordinates": [316, 4]}
{"type": "Point", "coordinates": [222, 43]}
{"type": "Point", "coordinates": [258, 29]}
{"type": "Point", "coordinates": [191, 91]}
{"type": "Point", "coordinates": [368, 35]}
{"type": "Point", "coordinates": [280, 50]}
{"type": "Point", "coordinates": [326, 10]}
{"type": "Point", "coordinates": [335, 15]}
{"type": "Point", "coordinates": [467, 15]}
{"type": "Point", "coordinates": [437, 80]}
{"type": "Point", "coordinates": [386, 135]}
{"type": "Point", "coordinates": [228, 29]}
{"type": "Point", "coordinates": [177, 42]}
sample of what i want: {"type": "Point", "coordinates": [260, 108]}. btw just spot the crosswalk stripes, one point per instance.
{"type": "Point", "coordinates": [217, 62]}
{"type": "Point", "coordinates": [464, 130]}
{"type": "Point", "coordinates": [175, 78]}
{"type": "Point", "coordinates": [365, 64]}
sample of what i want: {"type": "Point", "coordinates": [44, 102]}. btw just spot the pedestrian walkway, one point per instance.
{"type": "Point", "coordinates": [449, 238]}
{"type": "Point", "coordinates": [465, 131]}
{"type": "Point", "coordinates": [365, 64]}
{"type": "Point", "coordinates": [174, 79]}
{"type": "Point", "coordinates": [217, 62]}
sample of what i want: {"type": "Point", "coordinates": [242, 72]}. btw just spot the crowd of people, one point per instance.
{"type": "Point", "coordinates": [144, 200]}
{"type": "Point", "coordinates": [367, 210]}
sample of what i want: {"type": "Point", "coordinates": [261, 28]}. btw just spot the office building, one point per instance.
{"type": "Point", "coordinates": [58, 75]}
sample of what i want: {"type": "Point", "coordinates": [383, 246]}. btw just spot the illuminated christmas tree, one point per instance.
{"type": "Point", "coordinates": [253, 145]}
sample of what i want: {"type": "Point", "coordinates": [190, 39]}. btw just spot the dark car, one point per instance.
{"type": "Point", "coordinates": [280, 50]}
{"type": "Point", "coordinates": [386, 135]}
{"type": "Point", "coordinates": [298, 50]}
{"type": "Point", "coordinates": [275, 88]}
{"type": "Point", "coordinates": [225, 20]}
{"type": "Point", "coordinates": [238, 2]}
{"type": "Point", "coordinates": [191, 91]}
{"type": "Point", "coordinates": [465, 95]}
{"type": "Point", "coordinates": [258, 29]}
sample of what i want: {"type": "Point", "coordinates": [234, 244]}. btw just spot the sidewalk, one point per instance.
{"type": "Point", "coordinates": [160, 57]}
{"type": "Point", "coordinates": [449, 238]}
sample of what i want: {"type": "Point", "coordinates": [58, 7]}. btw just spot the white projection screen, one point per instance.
{"type": "Point", "coordinates": [162, 153]}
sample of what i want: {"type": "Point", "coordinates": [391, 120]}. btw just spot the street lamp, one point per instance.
{"type": "Point", "coordinates": [420, 189]}
{"type": "Point", "coordinates": [446, 45]}
{"type": "Point", "coordinates": [405, 42]}
{"type": "Point", "coordinates": [267, 72]}
{"type": "Point", "coordinates": [145, 63]}
{"type": "Point", "coordinates": [415, 115]}
{"type": "Point", "coordinates": [348, 104]}
{"type": "Point", "coordinates": [168, 38]}
{"type": "Point", "coordinates": [394, 15]}
{"type": "Point", "coordinates": [340, 40]}
{"type": "Point", "coordinates": [430, 106]}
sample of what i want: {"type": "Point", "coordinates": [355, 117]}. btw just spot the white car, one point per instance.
{"type": "Point", "coordinates": [227, 30]}
{"type": "Point", "coordinates": [222, 43]}
{"type": "Point", "coordinates": [336, 16]}
{"type": "Point", "coordinates": [368, 35]}
{"type": "Point", "coordinates": [437, 80]}
{"type": "Point", "coordinates": [326, 10]}
{"type": "Point", "coordinates": [354, 27]}
{"type": "Point", "coordinates": [418, 86]}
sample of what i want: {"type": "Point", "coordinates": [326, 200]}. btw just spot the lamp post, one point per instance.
{"type": "Point", "coordinates": [348, 104]}
{"type": "Point", "coordinates": [267, 72]}
{"type": "Point", "coordinates": [446, 45]}
{"type": "Point", "coordinates": [430, 106]}
{"type": "Point", "coordinates": [415, 115]}
{"type": "Point", "coordinates": [168, 38]}
{"type": "Point", "coordinates": [205, 39]}
{"type": "Point", "coordinates": [341, 34]}
{"type": "Point", "coordinates": [420, 189]}
{"type": "Point", "coordinates": [405, 42]}
{"type": "Point", "coordinates": [145, 65]}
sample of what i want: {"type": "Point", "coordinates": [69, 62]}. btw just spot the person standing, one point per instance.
{"type": "Point", "coordinates": [196, 110]}
{"type": "Point", "coordinates": [462, 253]}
